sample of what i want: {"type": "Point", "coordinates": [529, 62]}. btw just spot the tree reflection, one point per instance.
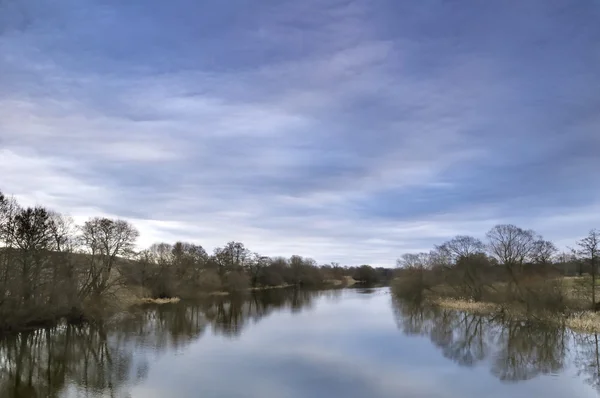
{"type": "Point", "coordinates": [517, 350]}
{"type": "Point", "coordinates": [467, 343]}
{"type": "Point", "coordinates": [230, 315]}
{"type": "Point", "coordinates": [528, 349]}
{"type": "Point", "coordinates": [587, 358]}
{"type": "Point", "coordinates": [162, 328]}
{"type": "Point", "coordinates": [108, 358]}
{"type": "Point", "coordinates": [40, 363]}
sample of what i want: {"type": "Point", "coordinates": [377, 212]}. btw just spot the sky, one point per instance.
{"type": "Point", "coordinates": [346, 131]}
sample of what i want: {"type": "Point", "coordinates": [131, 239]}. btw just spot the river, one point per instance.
{"type": "Point", "coordinates": [284, 343]}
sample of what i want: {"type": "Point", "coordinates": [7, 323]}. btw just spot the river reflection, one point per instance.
{"type": "Point", "coordinates": [101, 358]}
{"type": "Point", "coordinates": [515, 350]}
{"type": "Point", "coordinates": [294, 343]}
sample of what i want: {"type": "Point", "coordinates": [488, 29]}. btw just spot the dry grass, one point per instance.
{"type": "Point", "coordinates": [148, 300]}
{"type": "Point", "coordinates": [466, 305]}
{"type": "Point", "coordinates": [349, 281]}
{"type": "Point", "coordinates": [575, 314]}
{"type": "Point", "coordinates": [218, 293]}
{"type": "Point", "coordinates": [345, 281]}
{"type": "Point", "coordinates": [584, 322]}
{"type": "Point", "coordinates": [270, 287]}
{"type": "Point", "coordinates": [587, 322]}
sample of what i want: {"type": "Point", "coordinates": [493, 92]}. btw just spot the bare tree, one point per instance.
{"type": "Point", "coordinates": [256, 266]}
{"type": "Point", "coordinates": [543, 251]}
{"type": "Point", "coordinates": [415, 279]}
{"type": "Point", "coordinates": [511, 245]}
{"type": "Point", "coordinates": [33, 239]}
{"type": "Point", "coordinates": [231, 257]}
{"type": "Point", "coordinates": [65, 275]}
{"type": "Point", "coordinates": [589, 251]}
{"type": "Point", "coordinates": [105, 240]}
{"type": "Point", "coordinates": [462, 246]}
{"type": "Point", "coordinates": [414, 261]}
{"type": "Point", "coordinates": [8, 211]}
{"type": "Point", "coordinates": [188, 260]}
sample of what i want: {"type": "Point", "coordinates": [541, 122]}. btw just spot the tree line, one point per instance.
{"type": "Point", "coordinates": [512, 264]}
{"type": "Point", "coordinates": [51, 268]}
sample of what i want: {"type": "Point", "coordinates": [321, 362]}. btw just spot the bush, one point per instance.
{"type": "Point", "coordinates": [411, 283]}
{"type": "Point", "coordinates": [209, 281]}
{"type": "Point", "coordinates": [366, 274]}
{"type": "Point", "coordinates": [540, 293]}
{"type": "Point", "coordinates": [236, 281]}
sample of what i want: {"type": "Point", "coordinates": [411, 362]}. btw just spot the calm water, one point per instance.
{"type": "Point", "coordinates": [344, 343]}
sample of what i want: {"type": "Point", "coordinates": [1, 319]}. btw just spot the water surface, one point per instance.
{"type": "Point", "coordinates": [286, 343]}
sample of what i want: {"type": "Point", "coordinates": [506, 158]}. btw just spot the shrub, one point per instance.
{"type": "Point", "coordinates": [209, 281]}
{"type": "Point", "coordinates": [235, 281]}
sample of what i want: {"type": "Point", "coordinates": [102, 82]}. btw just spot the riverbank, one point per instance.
{"type": "Point", "coordinates": [128, 297]}
{"type": "Point", "coordinates": [559, 300]}
{"type": "Point", "coordinates": [330, 284]}
{"type": "Point", "coordinates": [120, 299]}
{"type": "Point", "coordinates": [579, 321]}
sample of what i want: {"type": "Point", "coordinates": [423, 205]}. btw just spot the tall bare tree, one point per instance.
{"type": "Point", "coordinates": [232, 257]}
{"type": "Point", "coordinates": [543, 251]}
{"type": "Point", "coordinates": [8, 211]}
{"type": "Point", "coordinates": [511, 245]}
{"type": "Point", "coordinates": [462, 246]}
{"type": "Point", "coordinates": [415, 261]}
{"type": "Point", "coordinates": [105, 240]}
{"type": "Point", "coordinates": [256, 266]}
{"type": "Point", "coordinates": [34, 240]}
{"type": "Point", "coordinates": [589, 251]}
{"type": "Point", "coordinates": [65, 275]}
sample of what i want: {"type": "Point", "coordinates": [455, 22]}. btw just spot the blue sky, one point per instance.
{"type": "Point", "coordinates": [350, 131]}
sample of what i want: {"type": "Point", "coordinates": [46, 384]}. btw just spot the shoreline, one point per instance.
{"type": "Point", "coordinates": [580, 321]}
{"type": "Point", "coordinates": [176, 299]}
{"type": "Point", "coordinates": [126, 298]}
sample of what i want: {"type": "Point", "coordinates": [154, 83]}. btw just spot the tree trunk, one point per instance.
{"type": "Point", "coordinates": [594, 291]}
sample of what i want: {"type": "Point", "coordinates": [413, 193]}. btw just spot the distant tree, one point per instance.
{"type": "Point", "coordinates": [512, 246]}
{"type": "Point", "coordinates": [144, 273]}
{"type": "Point", "coordinates": [337, 271]}
{"type": "Point", "coordinates": [412, 260]}
{"type": "Point", "coordinates": [414, 276]}
{"type": "Point", "coordinates": [232, 257]}
{"type": "Point", "coordinates": [255, 265]}
{"type": "Point", "coordinates": [209, 281]}
{"type": "Point", "coordinates": [160, 270]}
{"type": "Point", "coordinates": [65, 273]}
{"type": "Point", "coordinates": [276, 273]}
{"type": "Point", "coordinates": [366, 274]}
{"type": "Point", "coordinates": [462, 246]}
{"type": "Point", "coordinates": [104, 241]}
{"type": "Point", "coordinates": [589, 251]}
{"type": "Point", "coordinates": [32, 235]}
{"type": "Point", "coordinates": [236, 281]}
{"type": "Point", "coordinates": [304, 272]}
{"type": "Point", "coordinates": [188, 262]}
{"type": "Point", "coordinates": [543, 251]}
{"type": "Point", "coordinates": [473, 271]}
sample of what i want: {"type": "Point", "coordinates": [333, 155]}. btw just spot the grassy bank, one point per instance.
{"type": "Point", "coordinates": [574, 309]}
{"type": "Point", "coordinates": [172, 300]}
{"type": "Point", "coordinates": [346, 282]}
{"type": "Point", "coordinates": [581, 321]}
